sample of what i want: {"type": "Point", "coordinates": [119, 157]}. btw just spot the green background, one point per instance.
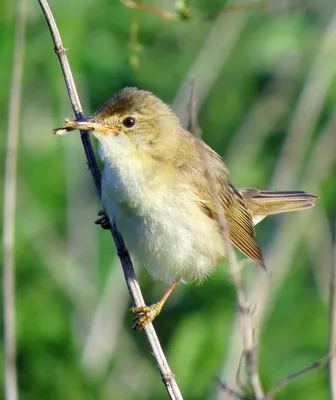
{"type": "Point", "coordinates": [265, 81]}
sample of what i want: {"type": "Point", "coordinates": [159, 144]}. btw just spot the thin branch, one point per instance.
{"type": "Point", "coordinates": [250, 347]}
{"type": "Point", "coordinates": [289, 378]}
{"type": "Point", "coordinates": [239, 379]}
{"type": "Point", "coordinates": [332, 340]}
{"type": "Point", "coordinates": [224, 388]}
{"type": "Point", "coordinates": [168, 377]}
{"type": "Point", "coordinates": [9, 207]}
{"type": "Point", "coordinates": [263, 290]}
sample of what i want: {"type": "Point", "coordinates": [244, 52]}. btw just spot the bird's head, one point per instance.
{"type": "Point", "coordinates": [135, 120]}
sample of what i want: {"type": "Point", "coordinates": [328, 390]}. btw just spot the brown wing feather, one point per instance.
{"type": "Point", "coordinates": [240, 223]}
{"type": "Point", "coordinates": [240, 226]}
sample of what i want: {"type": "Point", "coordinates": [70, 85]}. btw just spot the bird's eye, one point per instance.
{"type": "Point", "coordinates": [129, 122]}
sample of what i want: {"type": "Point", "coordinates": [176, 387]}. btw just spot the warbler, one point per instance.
{"type": "Point", "coordinates": [154, 188]}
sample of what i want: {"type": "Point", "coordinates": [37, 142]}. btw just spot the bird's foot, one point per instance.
{"type": "Point", "coordinates": [103, 220]}
{"type": "Point", "coordinates": [145, 314]}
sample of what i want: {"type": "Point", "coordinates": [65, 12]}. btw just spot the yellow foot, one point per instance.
{"type": "Point", "coordinates": [145, 314]}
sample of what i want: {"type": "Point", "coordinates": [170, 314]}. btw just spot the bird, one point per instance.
{"type": "Point", "coordinates": [154, 188]}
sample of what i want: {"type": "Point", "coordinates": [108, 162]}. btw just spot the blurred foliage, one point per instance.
{"type": "Point", "coordinates": [63, 262]}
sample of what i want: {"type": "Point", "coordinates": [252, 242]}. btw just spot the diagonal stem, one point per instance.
{"type": "Point", "coordinates": [246, 323]}
{"type": "Point", "coordinates": [168, 377]}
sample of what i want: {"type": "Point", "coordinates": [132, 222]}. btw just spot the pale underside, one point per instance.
{"type": "Point", "coordinates": [163, 229]}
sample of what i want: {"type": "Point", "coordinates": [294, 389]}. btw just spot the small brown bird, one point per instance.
{"type": "Point", "coordinates": [155, 189]}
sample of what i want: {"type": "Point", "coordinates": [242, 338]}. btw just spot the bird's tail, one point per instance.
{"type": "Point", "coordinates": [261, 203]}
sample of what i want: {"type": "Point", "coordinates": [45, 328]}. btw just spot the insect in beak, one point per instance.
{"type": "Point", "coordinates": [86, 125]}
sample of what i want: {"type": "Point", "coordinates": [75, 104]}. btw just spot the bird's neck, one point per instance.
{"type": "Point", "coordinates": [131, 171]}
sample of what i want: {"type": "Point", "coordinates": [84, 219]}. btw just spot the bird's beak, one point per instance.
{"type": "Point", "coordinates": [86, 125]}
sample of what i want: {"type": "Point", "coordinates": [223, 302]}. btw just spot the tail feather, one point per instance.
{"type": "Point", "coordinates": [261, 203]}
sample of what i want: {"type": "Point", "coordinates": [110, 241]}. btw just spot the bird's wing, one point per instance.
{"type": "Point", "coordinates": [241, 227]}
{"type": "Point", "coordinates": [239, 221]}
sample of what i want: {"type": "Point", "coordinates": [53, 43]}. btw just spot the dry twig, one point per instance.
{"type": "Point", "coordinates": [245, 319]}
{"type": "Point", "coordinates": [250, 347]}
{"type": "Point", "coordinates": [224, 388]}
{"type": "Point", "coordinates": [168, 377]}
{"type": "Point", "coordinates": [263, 290]}
{"type": "Point", "coordinates": [289, 378]}
{"type": "Point", "coordinates": [9, 207]}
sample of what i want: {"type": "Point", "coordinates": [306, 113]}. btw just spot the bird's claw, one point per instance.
{"type": "Point", "coordinates": [103, 220]}
{"type": "Point", "coordinates": [145, 315]}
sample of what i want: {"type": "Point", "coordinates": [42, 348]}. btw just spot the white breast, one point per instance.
{"type": "Point", "coordinates": [163, 229]}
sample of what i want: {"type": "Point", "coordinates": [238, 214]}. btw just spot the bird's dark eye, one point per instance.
{"type": "Point", "coordinates": [129, 122]}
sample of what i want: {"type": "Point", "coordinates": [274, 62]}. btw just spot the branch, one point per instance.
{"type": "Point", "coordinates": [9, 207]}
{"type": "Point", "coordinates": [250, 347]}
{"type": "Point", "coordinates": [224, 388]}
{"type": "Point", "coordinates": [263, 290]}
{"type": "Point", "coordinates": [287, 379]}
{"type": "Point", "coordinates": [168, 377]}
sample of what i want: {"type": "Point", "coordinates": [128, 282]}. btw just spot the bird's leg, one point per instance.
{"type": "Point", "coordinates": [146, 314]}
{"type": "Point", "coordinates": [103, 220]}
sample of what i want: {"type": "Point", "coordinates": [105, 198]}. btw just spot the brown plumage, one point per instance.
{"type": "Point", "coordinates": [174, 156]}
{"type": "Point", "coordinates": [155, 188]}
